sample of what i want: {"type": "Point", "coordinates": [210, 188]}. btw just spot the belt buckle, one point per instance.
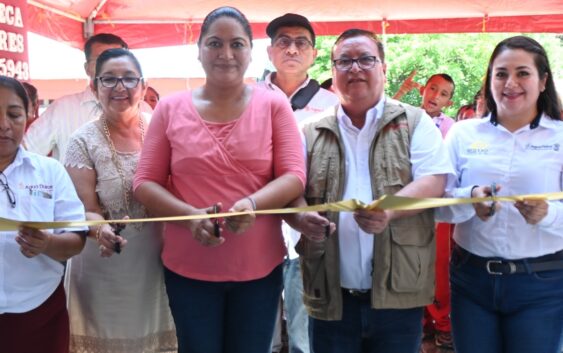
{"type": "Point", "coordinates": [488, 267]}
{"type": "Point", "coordinates": [511, 267]}
{"type": "Point", "coordinates": [357, 293]}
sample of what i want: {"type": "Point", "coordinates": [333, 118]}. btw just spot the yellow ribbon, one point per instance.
{"type": "Point", "coordinates": [386, 202]}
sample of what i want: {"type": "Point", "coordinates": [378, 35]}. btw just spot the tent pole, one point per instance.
{"type": "Point", "coordinates": [89, 23]}
{"type": "Point", "coordinates": [384, 25]}
{"type": "Point", "coordinates": [97, 9]}
{"type": "Point", "coordinates": [88, 28]}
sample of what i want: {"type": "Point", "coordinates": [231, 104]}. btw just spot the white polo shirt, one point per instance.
{"type": "Point", "coordinates": [526, 161]}
{"type": "Point", "coordinates": [322, 100]}
{"type": "Point", "coordinates": [43, 192]}
{"type": "Point", "coordinates": [52, 130]}
{"type": "Point", "coordinates": [428, 157]}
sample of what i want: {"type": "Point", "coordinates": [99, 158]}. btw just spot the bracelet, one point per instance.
{"type": "Point", "coordinates": [471, 192]}
{"type": "Point", "coordinates": [98, 233]}
{"type": "Point", "coordinates": [252, 202]}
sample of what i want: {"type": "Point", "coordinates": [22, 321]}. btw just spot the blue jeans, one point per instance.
{"type": "Point", "coordinates": [297, 318]}
{"type": "Point", "coordinates": [224, 317]}
{"type": "Point", "coordinates": [366, 330]}
{"type": "Point", "coordinates": [517, 313]}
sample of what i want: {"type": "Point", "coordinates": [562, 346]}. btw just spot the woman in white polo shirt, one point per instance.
{"type": "Point", "coordinates": [507, 269]}
{"type": "Point", "coordinates": [33, 314]}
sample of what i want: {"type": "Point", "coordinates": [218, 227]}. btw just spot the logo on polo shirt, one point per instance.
{"type": "Point", "coordinates": [555, 147]}
{"type": "Point", "coordinates": [478, 147]}
{"type": "Point", "coordinates": [38, 190]}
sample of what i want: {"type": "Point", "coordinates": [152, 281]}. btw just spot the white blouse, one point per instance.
{"type": "Point", "coordinates": [527, 161]}
{"type": "Point", "coordinates": [43, 192]}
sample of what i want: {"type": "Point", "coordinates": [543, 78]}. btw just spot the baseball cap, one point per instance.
{"type": "Point", "coordinates": [289, 20]}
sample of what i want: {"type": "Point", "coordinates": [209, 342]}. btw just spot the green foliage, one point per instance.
{"type": "Point", "coordinates": [321, 70]}
{"type": "Point", "coordinates": [462, 56]}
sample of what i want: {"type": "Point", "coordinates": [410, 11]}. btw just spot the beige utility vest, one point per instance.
{"type": "Point", "coordinates": [404, 253]}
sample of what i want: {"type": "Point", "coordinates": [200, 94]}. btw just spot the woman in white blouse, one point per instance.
{"type": "Point", "coordinates": [507, 268]}
{"type": "Point", "coordinates": [33, 314]}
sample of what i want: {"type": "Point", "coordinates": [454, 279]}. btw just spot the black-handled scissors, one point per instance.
{"type": "Point", "coordinates": [492, 210]}
{"type": "Point", "coordinates": [216, 225]}
{"type": "Point", "coordinates": [327, 227]}
{"type": "Point", "coordinates": [117, 229]}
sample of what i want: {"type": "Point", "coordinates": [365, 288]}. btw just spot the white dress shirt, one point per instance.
{"type": "Point", "coordinates": [428, 157]}
{"type": "Point", "coordinates": [43, 192]}
{"type": "Point", "coordinates": [51, 131]}
{"type": "Point", "coordinates": [322, 100]}
{"type": "Point", "coordinates": [527, 161]}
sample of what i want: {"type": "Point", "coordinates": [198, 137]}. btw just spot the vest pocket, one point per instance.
{"type": "Point", "coordinates": [315, 285]}
{"type": "Point", "coordinates": [411, 256]}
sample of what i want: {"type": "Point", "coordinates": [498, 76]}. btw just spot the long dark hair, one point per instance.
{"type": "Point", "coordinates": [16, 87]}
{"type": "Point", "coordinates": [548, 101]}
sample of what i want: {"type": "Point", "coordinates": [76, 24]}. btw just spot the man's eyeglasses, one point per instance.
{"type": "Point", "coordinates": [5, 187]}
{"type": "Point", "coordinates": [112, 81]}
{"type": "Point", "coordinates": [300, 43]}
{"type": "Point", "coordinates": [364, 63]}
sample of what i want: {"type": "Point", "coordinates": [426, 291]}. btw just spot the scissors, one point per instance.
{"type": "Point", "coordinates": [118, 228]}
{"type": "Point", "coordinates": [216, 225]}
{"type": "Point", "coordinates": [493, 195]}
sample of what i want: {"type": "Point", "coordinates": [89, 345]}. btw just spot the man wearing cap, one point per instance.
{"type": "Point", "coordinates": [292, 52]}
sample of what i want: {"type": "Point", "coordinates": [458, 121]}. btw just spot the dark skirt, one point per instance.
{"type": "Point", "coordinates": [44, 329]}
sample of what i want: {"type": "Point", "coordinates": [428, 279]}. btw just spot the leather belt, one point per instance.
{"type": "Point", "coordinates": [497, 266]}
{"type": "Point", "coordinates": [357, 293]}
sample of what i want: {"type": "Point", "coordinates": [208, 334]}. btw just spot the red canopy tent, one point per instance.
{"type": "Point", "coordinates": [144, 23]}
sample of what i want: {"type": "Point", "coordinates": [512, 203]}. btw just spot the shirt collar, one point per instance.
{"type": "Point", "coordinates": [372, 115]}
{"type": "Point", "coordinates": [22, 156]}
{"type": "Point", "coordinates": [274, 87]}
{"type": "Point", "coordinates": [546, 122]}
{"type": "Point", "coordinates": [534, 124]}
{"type": "Point", "coordinates": [440, 117]}
{"type": "Point", "coordinates": [88, 97]}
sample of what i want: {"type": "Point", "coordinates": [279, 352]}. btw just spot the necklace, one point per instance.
{"type": "Point", "coordinates": [116, 161]}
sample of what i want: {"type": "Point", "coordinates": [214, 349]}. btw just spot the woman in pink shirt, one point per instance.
{"type": "Point", "coordinates": [224, 146]}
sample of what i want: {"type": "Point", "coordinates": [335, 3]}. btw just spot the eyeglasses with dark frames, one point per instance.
{"type": "Point", "coordinates": [112, 81]}
{"type": "Point", "coordinates": [364, 63]}
{"type": "Point", "coordinates": [301, 44]}
{"type": "Point", "coordinates": [9, 192]}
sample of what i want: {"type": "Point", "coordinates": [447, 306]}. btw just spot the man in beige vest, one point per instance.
{"type": "Point", "coordinates": [367, 275]}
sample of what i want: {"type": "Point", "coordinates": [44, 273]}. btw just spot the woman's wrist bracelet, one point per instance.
{"type": "Point", "coordinates": [471, 192]}
{"type": "Point", "coordinates": [98, 232]}
{"type": "Point", "coordinates": [252, 202]}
